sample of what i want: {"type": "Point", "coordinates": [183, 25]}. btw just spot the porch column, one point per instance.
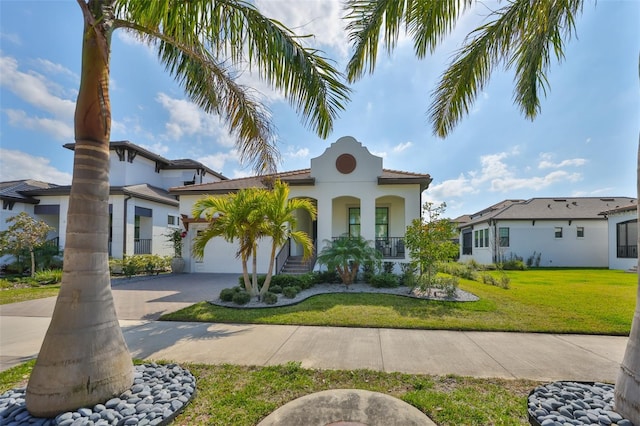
{"type": "Point", "coordinates": [325, 220]}
{"type": "Point", "coordinates": [368, 217]}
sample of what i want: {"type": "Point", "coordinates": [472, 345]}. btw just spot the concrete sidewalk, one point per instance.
{"type": "Point", "coordinates": [544, 357]}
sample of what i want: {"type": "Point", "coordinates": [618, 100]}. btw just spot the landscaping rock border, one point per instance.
{"type": "Point", "coordinates": [158, 394]}
{"type": "Point", "coordinates": [574, 403]}
{"type": "Point", "coordinates": [461, 295]}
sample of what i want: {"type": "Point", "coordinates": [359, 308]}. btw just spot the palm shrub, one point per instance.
{"type": "Point", "coordinates": [48, 276]}
{"type": "Point", "coordinates": [345, 255]}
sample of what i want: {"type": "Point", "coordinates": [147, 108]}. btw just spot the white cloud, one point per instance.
{"type": "Point", "coordinates": [300, 153]}
{"type": "Point", "coordinates": [52, 68]}
{"type": "Point", "coordinates": [218, 161]}
{"type": "Point", "coordinates": [534, 183]}
{"type": "Point", "coordinates": [547, 163]}
{"type": "Point", "coordinates": [322, 18]}
{"type": "Point", "coordinates": [186, 119]}
{"type": "Point", "coordinates": [403, 146]}
{"type": "Point", "coordinates": [12, 38]}
{"type": "Point", "coordinates": [15, 165]}
{"type": "Point", "coordinates": [451, 188]}
{"type": "Point", "coordinates": [157, 148]}
{"type": "Point", "coordinates": [34, 89]}
{"type": "Point", "coordinates": [58, 129]}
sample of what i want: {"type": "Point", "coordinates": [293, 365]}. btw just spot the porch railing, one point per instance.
{"type": "Point", "coordinates": [391, 247]}
{"type": "Point", "coordinates": [282, 256]}
{"type": "Point", "coordinates": [142, 246]}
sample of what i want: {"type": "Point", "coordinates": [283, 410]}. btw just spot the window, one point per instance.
{"type": "Point", "coordinates": [354, 221]}
{"type": "Point", "coordinates": [171, 220]}
{"type": "Point", "coordinates": [466, 242]}
{"type": "Point", "coordinates": [627, 239]}
{"type": "Point", "coordinates": [382, 222]}
{"type": "Point", "coordinates": [504, 237]}
{"type": "Point", "coordinates": [558, 231]}
{"type": "Point", "coordinates": [136, 228]}
{"type": "Point", "coordinates": [482, 238]}
{"type": "Point", "coordinates": [580, 232]}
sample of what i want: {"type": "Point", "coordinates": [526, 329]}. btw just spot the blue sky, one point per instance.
{"type": "Point", "coordinates": [583, 143]}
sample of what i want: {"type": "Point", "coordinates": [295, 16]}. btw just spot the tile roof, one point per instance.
{"type": "Point", "coordinates": [550, 208]}
{"type": "Point", "coordinates": [294, 177]}
{"type": "Point", "coordinates": [184, 163]}
{"type": "Point", "coordinates": [18, 189]}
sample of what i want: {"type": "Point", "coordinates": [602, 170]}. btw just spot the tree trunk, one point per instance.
{"type": "Point", "coordinates": [267, 280]}
{"type": "Point", "coordinates": [84, 359]}
{"type": "Point", "coordinates": [33, 262]}
{"type": "Point", "coordinates": [627, 389]}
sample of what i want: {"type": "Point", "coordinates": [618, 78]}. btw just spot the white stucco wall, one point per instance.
{"type": "Point", "coordinates": [525, 238]}
{"type": "Point", "coordinates": [142, 170]}
{"type": "Point", "coordinates": [616, 262]}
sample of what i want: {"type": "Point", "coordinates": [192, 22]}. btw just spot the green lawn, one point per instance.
{"type": "Point", "coordinates": [590, 301]}
{"type": "Point", "coordinates": [237, 395]}
{"type": "Point", "coordinates": [11, 294]}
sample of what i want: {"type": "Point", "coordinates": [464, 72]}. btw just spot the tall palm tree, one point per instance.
{"type": "Point", "coordinates": [522, 34]}
{"type": "Point", "coordinates": [279, 214]}
{"type": "Point", "coordinates": [345, 255]}
{"type": "Point", "coordinates": [84, 359]}
{"type": "Point", "coordinates": [236, 216]}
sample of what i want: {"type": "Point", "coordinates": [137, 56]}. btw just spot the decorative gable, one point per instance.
{"type": "Point", "coordinates": [346, 160]}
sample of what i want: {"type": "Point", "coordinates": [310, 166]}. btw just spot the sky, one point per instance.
{"type": "Point", "coordinates": [583, 143]}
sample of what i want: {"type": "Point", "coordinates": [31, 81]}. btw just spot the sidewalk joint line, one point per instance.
{"type": "Point", "coordinates": [282, 345]}
{"type": "Point", "coordinates": [466, 334]}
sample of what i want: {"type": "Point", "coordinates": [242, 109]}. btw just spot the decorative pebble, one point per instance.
{"type": "Point", "coordinates": [160, 392]}
{"type": "Point", "coordinates": [574, 403]}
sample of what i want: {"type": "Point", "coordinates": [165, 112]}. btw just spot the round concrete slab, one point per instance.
{"type": "Point", "coordinates": [347, 407]}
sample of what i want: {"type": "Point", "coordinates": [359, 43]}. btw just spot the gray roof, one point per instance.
{"type": "Point", "coordinates": [142, 191]}
{"type": "Point", "coordinates": [163, 163]}
{"type": "Point", "coordinates": [550, 208]}
{"type": "Point", "coordinates": [18, 190]}
{"type": "Point", "coordinates": [294, 178]}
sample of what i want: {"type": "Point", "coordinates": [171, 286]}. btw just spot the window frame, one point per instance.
{"type": "Point", "coordinates": [352, 227]}
{"type": "Point", "coordinates": [503, 241]}
{"type": "Point", "coordinates": [557, 232]}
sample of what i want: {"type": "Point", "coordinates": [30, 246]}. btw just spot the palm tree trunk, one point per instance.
{"type": "Point", "coordinates": [627, 389]}
{"type": "Point", "coordinates": [267, 280]}
{"type": "Point", "coordinates": [84, 359]}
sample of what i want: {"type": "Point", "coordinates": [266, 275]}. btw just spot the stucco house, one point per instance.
{"type": "Point", "coordinates": [562, 232]}
{"type": "Point", "coordinates": [140, 206]}
{"type": "Point", "coordinates": [353, 194]}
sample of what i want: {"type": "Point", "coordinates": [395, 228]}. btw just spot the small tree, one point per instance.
{"type": "Point", "coordinates": [346, 254]}
{"type": "Point", "coordinates": [24, 234]}
{"type": "Point", "coordinates": [430, 240]}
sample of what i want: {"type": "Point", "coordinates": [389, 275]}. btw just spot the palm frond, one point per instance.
{"type": "Point", "coordinates": [427, 22]}
{"type": "Point", "coordinates": [521, 34]}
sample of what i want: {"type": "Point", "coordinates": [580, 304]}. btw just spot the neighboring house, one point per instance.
{"type": "Point", "coordinates": [140, 207]}
{"type": "Point", "coordinates": [563, 232]}
{"type": "Point", "coordinates": [623, 236]}
{"type": "Point", "coordinates": [353, 194]}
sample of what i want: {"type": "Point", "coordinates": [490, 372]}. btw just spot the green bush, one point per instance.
{"type": "Point", "coordinates": [384, 280]}
{"type": "Point", "coordinates": [48, 276]}
{"type": "Point", "coordinates": [284, 280]}
{"type": "Point", "coordinates": [514, 265]}
{"type": "Point", "coordinates": [290, 292]}
{"type": "Point", "coordinates": [387, 267]}
{"type": "Point", "coordinates": [275, 289]}
{"type": "Point", "coordinates": [449, 285]}
{"type": "Point", "coordinates": [226, 295]}
{"type": "Point", "coordinates": [241, 297]}
{"type": "Point", "coordinates": [502, 282]}
{"type": "Point", "coordinates": [140, 264]}
{"type": "Point", "coordinates": [329, 277]}
{"type": "Point", "coordinates": [408, 275]}
{"type": "Point", "coordinates": [306, 281]}
{"type": "Point", "coordinates": [270, 298]}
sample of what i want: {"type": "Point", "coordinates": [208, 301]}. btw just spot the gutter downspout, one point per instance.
{"type": "Point", "coordinates": [124, 227]}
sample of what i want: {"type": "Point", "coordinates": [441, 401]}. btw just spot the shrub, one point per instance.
{"type": "Point", "coordinates": [306, 281]}
{"type": "Point", "coordinates": [284, 280]}
{"type": "Point", "coordinates": [387, 267]}
{"type": "Point", "coordinates": [290, 292]}
{"type": "Point", "coordinates": [408, 275]}
{"type": "Point", "coordinates": [329, 277]}
{"type": "Point", "coordinates": [514, 265]}
{"type": "Point", "coordinates": [48, 276]}
{"type": "Point", "coordinates": [275, 289]}
{"type": "Point", "coordinates": [270, 298]}
{"type": "Point", "coordinates": [449, 285]}
{"type": "Point", "coordinates": [384, 280]}
{"type": "Point", "coordinates": [226, 295]}
{"type": "Point", "coordinates": [502, 282]}
{"type": "Point", "coordinates": [241, 297]}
